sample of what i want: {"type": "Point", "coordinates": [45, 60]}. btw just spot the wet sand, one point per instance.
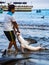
{"type": "Point", "coordinates": [36, 58]}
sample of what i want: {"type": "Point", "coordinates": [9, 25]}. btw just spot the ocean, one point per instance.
{"type": "Point", "coordinates": [32, 25]}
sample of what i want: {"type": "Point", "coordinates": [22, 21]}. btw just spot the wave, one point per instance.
{"type": "Point", "coordinates": [30, 26]}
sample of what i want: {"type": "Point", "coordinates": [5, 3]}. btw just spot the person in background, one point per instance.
{"type": "Point", "coordinates": [9, 26]}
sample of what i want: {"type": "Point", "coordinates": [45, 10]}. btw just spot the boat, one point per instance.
{"type": "Point", "coordinates": [20, 6]}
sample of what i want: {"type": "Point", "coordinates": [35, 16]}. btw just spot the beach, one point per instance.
{"type": "Point", "coordinates": [32, 25]}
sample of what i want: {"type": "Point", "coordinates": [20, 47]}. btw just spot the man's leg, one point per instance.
{"type": "Point", "coordinates": [10, 44]}
{"type": "Point", "coordinates": [14, 43]}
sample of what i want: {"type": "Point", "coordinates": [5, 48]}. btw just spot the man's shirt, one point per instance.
{"type": "Point", "coordinates": [8, 26]}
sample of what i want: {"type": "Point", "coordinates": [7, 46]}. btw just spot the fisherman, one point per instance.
{"type": "Point", "coordinates": [9, 24]}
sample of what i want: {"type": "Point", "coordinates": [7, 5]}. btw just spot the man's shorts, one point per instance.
{"type": "Point", "coordinates": [10, 35]}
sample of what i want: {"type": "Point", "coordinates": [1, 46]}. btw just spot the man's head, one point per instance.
{"type": "Point", "coordinates": [11, 8]}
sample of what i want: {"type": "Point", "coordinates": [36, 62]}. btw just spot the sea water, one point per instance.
{"type": "Point", "coordinates": [32, 25]}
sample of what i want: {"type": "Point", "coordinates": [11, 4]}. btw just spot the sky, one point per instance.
{"type": "Point", "coordinates": [35, 3]}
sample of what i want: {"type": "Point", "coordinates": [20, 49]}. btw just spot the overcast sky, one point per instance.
{"type": "Point", "coordinates": [35, 3]}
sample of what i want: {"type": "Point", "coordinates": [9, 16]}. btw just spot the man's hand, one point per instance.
{"type": "Point", "coordinates": [15, 27]}
{"type": "Point", "coordinates": [17, 33]}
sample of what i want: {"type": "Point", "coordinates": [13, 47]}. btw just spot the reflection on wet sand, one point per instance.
{"type": "Point", "coordinates": [24, 62]}
{"type": "Point", "coordinates": [28, 58]}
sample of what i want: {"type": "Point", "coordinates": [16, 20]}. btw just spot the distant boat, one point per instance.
{"type": "Point", "coordinates": [20, 6]}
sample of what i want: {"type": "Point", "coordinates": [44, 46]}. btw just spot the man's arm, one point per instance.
{"type": "Point", "coordinates": [15, 26]}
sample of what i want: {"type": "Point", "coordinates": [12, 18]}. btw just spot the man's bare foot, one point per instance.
{"type": "Point", "coordinates": [4, 53]}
